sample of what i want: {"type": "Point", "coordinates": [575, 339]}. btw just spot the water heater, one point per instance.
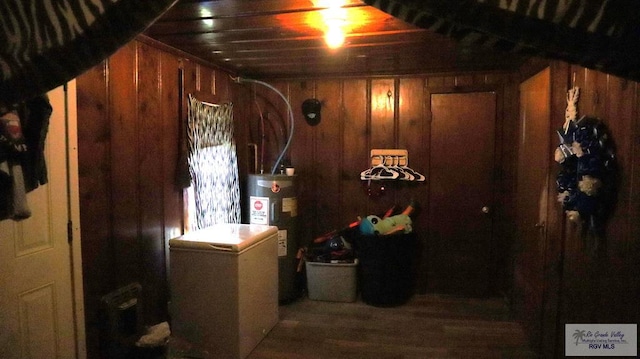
{"type": "Point", "coordinates": [273, 201]}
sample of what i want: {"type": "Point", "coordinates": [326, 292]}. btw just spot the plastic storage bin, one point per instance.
{"type": "Point", "coordinates": [332, 282]}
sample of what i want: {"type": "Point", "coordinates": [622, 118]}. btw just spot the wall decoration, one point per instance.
{"type": "Point", "coordinates": [311, 109]}
{"type": "Point", "coordinates": [587, 177]}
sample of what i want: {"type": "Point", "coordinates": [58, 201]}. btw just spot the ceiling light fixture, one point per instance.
{"type": "Point", "coordinates": [206, 16]}
{"type": "Point", "coordinates": [335, 19]}
{"type": "Point", "coordinates": [334, 36]}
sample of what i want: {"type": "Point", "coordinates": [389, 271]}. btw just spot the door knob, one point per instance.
{"type": "Point", "coordinates": [485, 209]}
{"type": "Point", "coordinates": [539, 225]}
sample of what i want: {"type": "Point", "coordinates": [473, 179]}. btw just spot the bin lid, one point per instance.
{"type": "Point", "coordinates": [230, 237]}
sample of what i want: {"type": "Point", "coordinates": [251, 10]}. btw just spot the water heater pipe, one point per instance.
{"type": "Point", "coordinates": [286, 146]}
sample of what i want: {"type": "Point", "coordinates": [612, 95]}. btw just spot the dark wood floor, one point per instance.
{"type": "Point", "coordinates": [428, 326]}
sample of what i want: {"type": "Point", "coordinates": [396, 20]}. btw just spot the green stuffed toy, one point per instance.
{"type": "Point", "coordinates": [374, 225]}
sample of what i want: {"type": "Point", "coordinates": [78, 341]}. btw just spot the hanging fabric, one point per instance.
{"type": "Point", "coordinates": [213, 163]}
{"type": "Point", "coordinates": [44, 44]}
{"type": "Point", "coordinates": [551, 29]}
{"type": "Point", "coordinates": [23, 131]}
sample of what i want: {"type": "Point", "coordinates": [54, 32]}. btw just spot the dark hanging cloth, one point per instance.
{"type": "Point", "coordinates": [34, 117]}
{"type": "Point", "coordinates": [44, 44]}
{"type": "Point", "coordinates": [183, 175]}
{"type": "Point", "coordinates": [601, 35]}
{"type": "Point", "coordinates": [23, 131]}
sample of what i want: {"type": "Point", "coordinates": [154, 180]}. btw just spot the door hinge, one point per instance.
{"type": "Point", "coordinates": [69, 231]}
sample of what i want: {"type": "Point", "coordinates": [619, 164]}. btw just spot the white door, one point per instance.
{"type": "Point", "coordinates": [41, 308]}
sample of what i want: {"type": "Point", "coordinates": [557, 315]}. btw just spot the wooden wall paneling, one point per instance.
{"type": "Point", "coordinates": [414, 137]}
{"type": "Point", "coordinates": [586, 79]}
{"type": "Point", "coordinates": [129, 126]}
{"type": "Point", "coordinates": [253, 122]}
{"type": "Point", "coordinates": [261, 124]}
{"type": "Point", "coordinates": [124, 161]}
{"type": "Point", "coordinates": [633, 254]}
{"type": "Point", "coordinates": [634, 171]}
{"type": "Point", "coordinates": [328, 157]}
{"type": "Point", "coordinates": [486, 79]}
{"type": "Point", "coordinates": [424, 273]}
{"type": "Point", "coordinates": [191, 73]}
{"type": "Point", "coordinates": [506, 157]}
{"type": "Point", "coordinates": [601, 93]}
{"type": "Point", "coordinates": [383, 134]}
{"type": "Point", "coordinates": [172, 221]}
{"type": "Point", "coordinates": [276, 121]}
{"type": "Point", "coordinates": [355, 154]}
{"type": "Point", "coordinates": [151, 181]}
{"type": "Point", "coordinates": [533, 199]}
{"type": "Point", "coordinates": [246, 97]}
{"type": "Point", "coordinates": [467, 80]}
{"type": "Point", "coordinates": [281, 121]}
{"type": "Point", "coordinates": [302, 158]}
{"type": "Point", "coordinates": [620, 109]}
{"type": "Point", "coordinates": [223, 85]}
{"type": "Point", "coordinates": [383, 131]}
{"type": "Point", "coordinates": [550, 332]}
{"type": "Point", "coordinates": [205, 90]}
{"type": "Point", "coordinates": [267, 132]}
{"type": "Point", "coordinates": [95, 196]}
{"type": "Point", "coordinates": [609, 286]}
{"type": "Point", "coordinates": [93, 153]}
{"type": "Point", "coordinates": [501, 187]}
{"type": "Point", "coordinates": [576, 294]}
{"type": "Point", "coordinates": [243, 118]}
{"type": "Point", "coordinates": [434, 81]}
{"type": "Point", "coordinates": [301, 149]}
{"type": "Point", "coordinates": [188, 82]}
{"type": "Point", "coordinates": [208, 84]}
{"type": "Point", "coordinates": [411, 136]}
{"type": "Point", "coordinates": [450, 81]}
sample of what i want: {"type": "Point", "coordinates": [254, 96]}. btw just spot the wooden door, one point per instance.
{"type": "Point", "coordinates": [38, 304]}
{"type": "Point", "coordinates": [461, 192]}
{"type": "Point", "coordinates": [532, 199]}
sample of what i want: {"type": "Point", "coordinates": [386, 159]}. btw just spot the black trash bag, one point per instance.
{"type": "Point", "coordinates": [387, 272]}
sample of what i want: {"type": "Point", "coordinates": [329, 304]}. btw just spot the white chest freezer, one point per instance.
{"type": "Point", "coordinates": [224, 288]}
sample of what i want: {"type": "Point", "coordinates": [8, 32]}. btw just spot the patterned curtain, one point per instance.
{"type": "Point", "coordinates": [213, 163]}
{"type": "Point", "coordinates": [599, 34]}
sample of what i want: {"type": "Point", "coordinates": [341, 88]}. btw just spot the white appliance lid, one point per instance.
{"type": "Point", "coordinates": [233, 237]}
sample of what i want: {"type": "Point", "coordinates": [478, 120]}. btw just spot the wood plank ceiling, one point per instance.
{"type": "Point", "coordinates": [285, 39]}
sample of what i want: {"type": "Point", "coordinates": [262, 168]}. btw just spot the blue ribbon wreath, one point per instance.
{"type": "Point", "coordinates": [587, 178]}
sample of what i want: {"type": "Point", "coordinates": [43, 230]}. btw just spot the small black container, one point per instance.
{"type": "Point", "coordinates": [387, 268]}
